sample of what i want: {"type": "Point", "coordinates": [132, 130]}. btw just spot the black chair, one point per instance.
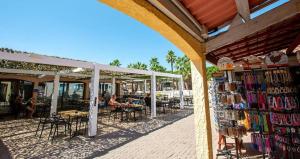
{"type": "Point", "coordinates": [114, 112]}
{"type": "Point", "coordinates": [58, 121]}
{"type": "Point", "coordinates": [43, 121]}
{"type": "Point", "coordinates": [143, 108]}
{"type": "Point", "coordinates": [147, 101]}
{"type": "Point", "coordinates": [128, 112]}
{"type": "Point", "coordinates": [85, 121]}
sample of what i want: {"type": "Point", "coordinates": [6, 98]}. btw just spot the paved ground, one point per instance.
{"type": "Point", "coordinates": [18, 137]}
{"type": "Point", "coordinates": [169, 135]}
{"type": "Point", "coordinates": [173, 141]}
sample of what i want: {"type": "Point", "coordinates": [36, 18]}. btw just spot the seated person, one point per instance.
{"type": "Point", "coordinates": [18, 106]}
{"type": "Point", "coordinates": [113, 103]}
{"type": "Point", "coordinates": [148, 100]}
{"type": "Point", "coordinates": [30, 107]}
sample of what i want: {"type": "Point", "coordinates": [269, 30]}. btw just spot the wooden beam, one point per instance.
{"type": "Point", "coordinates": [236, 21]}
{"type": "Point", "coordinates": [261, 49]}
{"type": "Point", "coordinates": [173, 12]}
{"type": "Point", "coordinates": [280, 35]}
{"type": "Point", "coordinates": [260, 53]}
{"type": "Point", "coordinates": [272, 17]}
{"type": "Point", "coordinates": [51, 60]}
{"type": "Point", "coordinates": [243, 9]}
{"type": "Point", "coordinates": [263, 5]}
{"type": "Point", "coordinates": [293, 45]}
{"type": "Point", "coordinates": [293, 26]}
{"type": "Point", "coordinates": [190, 16]}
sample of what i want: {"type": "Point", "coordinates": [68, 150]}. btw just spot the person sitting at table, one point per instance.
{"type": "Point", "coordinates": [113, 103]}
{"type": "Point", "coordinates": [30, 107]}
{"type": "Point", "coordinates": [18, 106]}
{"type": "Point", "coordinates": [147, 100]}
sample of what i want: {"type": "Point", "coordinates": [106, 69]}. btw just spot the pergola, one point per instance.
{"type": "Point", "coordinates": [55, 68]}
{"type": "Point", "coordinates": [189, 24]}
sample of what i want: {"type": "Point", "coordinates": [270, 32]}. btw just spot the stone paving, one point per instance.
{"type": "Point", "coordinates": [174, 141]}
{"type": "Point", "coordinates": [19, 137]}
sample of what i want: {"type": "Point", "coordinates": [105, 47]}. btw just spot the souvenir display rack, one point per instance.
{"type": "Point", "coordinates": [273, 111]}
{"type": "Point", "coordinates": [255, 94]}
{"type": "Point", "coordinates": [229, 102]}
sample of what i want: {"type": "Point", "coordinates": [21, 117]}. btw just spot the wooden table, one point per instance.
{"type": "Point", "coordinates": [164, 104]}
{"type": "Point", "coordinates": [128, 106]}
{"type": "Point", "coordinates": [74, 114]}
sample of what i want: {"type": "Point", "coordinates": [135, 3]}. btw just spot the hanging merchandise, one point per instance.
{"type": "Point", "coordinates": [260, 144]}
{"type": "Point", "coordinates": [232, 105]}
{"type": "Point", "coordinates": [262, 101]}
{"type": "Point", "coordinates": [298, 55]}
{"type": "Point", "coordinates": [276, 59]}
{"type": "Point", "coordinates": [225, 63]}
{"type": "Point", "coordinates": [252, 62]}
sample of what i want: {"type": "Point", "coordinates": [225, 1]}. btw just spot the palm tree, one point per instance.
{"type": "Point", "coordinates": [138, 65]}
{"type": "Point", "coordinates": [183, 67]}
{"type": "Point", "coordinates": [211, 70]}
{"type": "Point", "coordinates": [115, 62]}
{"type": "Point", "coordinates": [171, 58]}
{"type": "Point", "coordinates": [155, 66]}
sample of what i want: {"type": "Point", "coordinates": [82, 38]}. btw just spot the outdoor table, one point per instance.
{"type": "Point", "coordinates": [130, 106]}
{"type": "Point", "coordinates": [188, 100]}
{"type": "Point", "coordinates": [73, 114]}
{"type": "Point", "coordinates": [164, 104]}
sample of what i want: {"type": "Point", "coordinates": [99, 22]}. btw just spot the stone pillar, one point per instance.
{"type": "Point", "coordinates": [93, 113]}
{"type": "Point", "coordinates": [201, 109]}
{"type": "Point", "coordinates": [113, 86]}
{"type": "Point", "coordinates": [54, 95]}
{"type": "Point", "coordinates": [181, 93]}
{"type": "Point", "coordinates": [153, 96]}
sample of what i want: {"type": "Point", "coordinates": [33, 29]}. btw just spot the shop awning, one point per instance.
{"type": "Point", "coordinates": [273, 38]}
{"type": "Point", "coordinates": [274, 30]}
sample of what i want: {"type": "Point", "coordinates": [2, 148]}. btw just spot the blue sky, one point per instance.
{"type": "Point", "coordinates": [79, 29]}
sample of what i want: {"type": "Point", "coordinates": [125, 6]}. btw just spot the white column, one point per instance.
{"type": "Point", "coordinates": [93, 113]}
{"type": "Point", "coordinates": [54, 95]}
{"type": "Point", "coordinates": [113, 88]}
{"type": "Point", "coordinates": [181, 93]}
{"type": "Point", "coordinates": [153, 96]}
{"type": "Point", "coordinates": [145, 86]}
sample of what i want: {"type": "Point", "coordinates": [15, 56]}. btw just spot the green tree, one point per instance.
{"type": "Point", "coordinates": [138, 65]}
{"type": "Point", "coordinates": [171, 58]}
{"type": "Point", "coordinates": [210, 70]}
{"type": "Point", "coordinates": [155, 65]}
{"type": "Point", "coordinates": [183, 67]}
{"type": "Point", "coordinates": [115, 62]}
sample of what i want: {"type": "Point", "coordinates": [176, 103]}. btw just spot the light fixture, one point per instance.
{"type": "Point", "coordinates": [41, 76]}
{"type": "Point", "coordinates": [78, 69]}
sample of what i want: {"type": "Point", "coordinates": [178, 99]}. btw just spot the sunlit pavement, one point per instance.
{"type": "Point", "coordinates": [173, 141]}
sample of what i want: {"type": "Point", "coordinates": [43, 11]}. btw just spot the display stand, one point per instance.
{"type": "Point", "coordinates": [272, 95]}
{"type": "Point", "coordinates": [230, 123]}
